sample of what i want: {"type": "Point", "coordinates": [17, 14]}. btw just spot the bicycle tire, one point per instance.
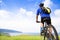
{"type": "Point", "coordinates": [55, 32]}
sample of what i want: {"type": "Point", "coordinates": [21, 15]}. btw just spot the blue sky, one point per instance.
{"type": "Point", "coordinates": [20, 14]}
{"type": "Point", "coordinates": [14, 5]}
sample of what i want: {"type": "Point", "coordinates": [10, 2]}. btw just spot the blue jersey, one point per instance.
{"type": "Point", "coordinates": [41, 13]}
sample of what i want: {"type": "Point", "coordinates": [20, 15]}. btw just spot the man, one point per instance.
{"type": "Point", "coordinates": [42, 11]}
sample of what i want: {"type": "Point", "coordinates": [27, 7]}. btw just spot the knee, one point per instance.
{"type": "Point", "coordinates": [41, 24]}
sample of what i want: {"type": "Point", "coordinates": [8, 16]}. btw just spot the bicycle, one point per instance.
{"type": "Point", "coordinates": [47, 35]}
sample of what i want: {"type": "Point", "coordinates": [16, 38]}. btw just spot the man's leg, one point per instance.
{"type": "Point", "coordinates": [42, 28]}
{"type": "Point", "coordinates": [42, 25]}
{"type": "Point", "coordinates": [50, 29]}
{"type": "Point", "coordinates": [49, 23]}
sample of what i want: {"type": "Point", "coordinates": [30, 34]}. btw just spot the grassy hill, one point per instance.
{"type": "Point", "coordinates": [21, 37]}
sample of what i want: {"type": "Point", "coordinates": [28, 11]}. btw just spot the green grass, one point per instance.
{"type": "Point", "coordinates": [21, 37]}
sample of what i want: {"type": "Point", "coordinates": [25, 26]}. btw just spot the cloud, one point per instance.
{"type": "Point", "coordinates": [56, 19]}
{"type": "Point", "coordinates": [25, 12]}
{"type": "Point", "coordinates": [57, 12]}
{"type": "Point", "coordinates": [56, 23]}
{"type": "Point", "coordinates": [19, 22]}
{"type": "Point", "coordinates": [21, 10]}
{"type": "Point", "coordinates": [28, 18]}
{"type": "Point", "coordinates": [48, 3]}
{"type": "Point", "coordinates": [4, 14]}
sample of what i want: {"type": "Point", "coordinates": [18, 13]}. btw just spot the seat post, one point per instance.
{"type": "Point", "coordinates": [45, 24]}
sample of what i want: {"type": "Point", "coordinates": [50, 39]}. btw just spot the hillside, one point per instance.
{"type": "Point", "coordinates": [9, 31]}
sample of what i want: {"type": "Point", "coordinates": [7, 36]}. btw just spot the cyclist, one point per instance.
{"type": "Point", "coordinates": [43, 14]}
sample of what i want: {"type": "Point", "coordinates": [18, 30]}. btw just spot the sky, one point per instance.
{"type": "Point", "coordinates": [20, 15]}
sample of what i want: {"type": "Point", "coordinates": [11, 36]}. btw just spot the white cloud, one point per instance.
{"type": "Point", "coordinates": [28, 21]}
{"type": "Point", "coordinates": [19, 22]}
{"type": "Point", "coordinates": [29, 13]}
{"type": "Point", "coordinates": [56, 19]}
{"type": "Point", "coordinates": [48, 3]}
{"type": "Point", "coordinates": [4, 13]}
{"type": "Point", "coordinates": [21, 10]}
{"type": "Point", "coordinates": [57, 16]}
{"type": "Point", "coordinates": [57, 12]}
{"type": "Point", "coordinates": [56, 23]}
{"type": "Point", "coordinates": [25, 12]}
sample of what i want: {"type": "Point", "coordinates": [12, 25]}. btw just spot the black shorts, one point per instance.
{"type": "Point", "coordinates": [48, 20]}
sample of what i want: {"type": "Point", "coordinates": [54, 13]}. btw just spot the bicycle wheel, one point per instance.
{"type": "Point", "coordinates": [54, 34]}
{"type": "Point", "coordinates": [45, 33]}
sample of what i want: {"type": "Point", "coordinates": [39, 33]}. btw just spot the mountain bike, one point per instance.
{"type": "Point", "coordinates": [46, 34]}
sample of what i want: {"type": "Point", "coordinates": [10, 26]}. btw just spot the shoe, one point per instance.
{"type": "Point", "coordinates": [42, 31]}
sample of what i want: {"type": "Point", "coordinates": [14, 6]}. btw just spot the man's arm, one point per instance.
{"type": "Point", "coordinates": [37, 15]}
{"type": "Point", "coordinates": [36, 18]}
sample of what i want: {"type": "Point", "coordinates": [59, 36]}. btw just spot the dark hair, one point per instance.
{"type": "Point", "coordinates": [41, 4]}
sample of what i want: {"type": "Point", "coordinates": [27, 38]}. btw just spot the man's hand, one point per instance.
{"type": "Point", "coordinates": [37, 21]}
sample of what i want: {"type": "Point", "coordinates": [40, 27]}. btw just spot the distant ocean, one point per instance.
{"type": "Point", "coordinates": [16, 34]}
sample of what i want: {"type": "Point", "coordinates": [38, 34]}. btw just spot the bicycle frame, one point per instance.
{"type": "Point", "coordinates": [45, 29]}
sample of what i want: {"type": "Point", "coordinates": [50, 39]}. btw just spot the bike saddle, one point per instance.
{"type": "Point", "coordinates": [45, 19]}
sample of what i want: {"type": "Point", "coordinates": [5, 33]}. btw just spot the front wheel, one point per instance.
{"type": "Point", "coordinates": [54, 34]}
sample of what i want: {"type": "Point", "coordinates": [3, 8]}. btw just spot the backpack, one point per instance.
{"type": "Point", "coordinates": [47, 10]}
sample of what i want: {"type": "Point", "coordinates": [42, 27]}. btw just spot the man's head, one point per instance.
{"type": "Point", "coordinates": [41, 4]}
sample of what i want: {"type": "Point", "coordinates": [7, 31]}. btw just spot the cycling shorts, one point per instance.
{"type": "Point", "coordinates": [48, 20]}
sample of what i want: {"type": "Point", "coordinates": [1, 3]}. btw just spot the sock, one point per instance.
{"type": "Point", "coordinates": [41, 28]}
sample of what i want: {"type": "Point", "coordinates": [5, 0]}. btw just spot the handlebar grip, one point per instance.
{"type": "Point", "coordinates": [38, 21]}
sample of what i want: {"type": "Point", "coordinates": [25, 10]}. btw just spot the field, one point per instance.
{"type": "Point", "coordinates": [21, 37]}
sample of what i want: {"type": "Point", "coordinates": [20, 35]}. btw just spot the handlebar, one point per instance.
{"type": "Point", "coordinates": [38, 21]}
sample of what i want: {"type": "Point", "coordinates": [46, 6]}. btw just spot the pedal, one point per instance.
{"type": "Point", "coordinates": [42, 32]}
